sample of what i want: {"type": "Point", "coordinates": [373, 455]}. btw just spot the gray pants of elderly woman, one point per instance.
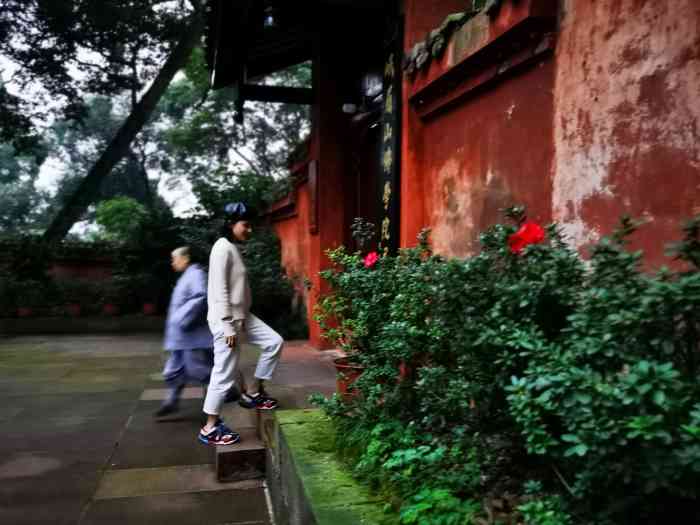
{"type": "Point", "coordinates": [186, 366]}
{"type": "Point", "coordinates": [226, 360]}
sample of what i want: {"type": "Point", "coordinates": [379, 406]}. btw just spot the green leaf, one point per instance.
{"type": "Point", "coordinates": [582, 398]}
{"type": "Point", "coordinates": [659, 397]}
{"type": "Point", "coordinates": [578, 450]}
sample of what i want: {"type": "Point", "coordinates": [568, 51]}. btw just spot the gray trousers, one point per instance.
{"type": "Point", "coordinates": [226, 360]}
{"type": "Point", "coordinates": [184, 366]}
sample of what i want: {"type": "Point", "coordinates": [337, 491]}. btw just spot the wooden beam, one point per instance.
{"type": "Point", "coordinates": [287, 95]}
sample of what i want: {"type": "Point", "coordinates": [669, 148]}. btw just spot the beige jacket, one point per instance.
{"type": "Point", "coordinates": [228, 291]}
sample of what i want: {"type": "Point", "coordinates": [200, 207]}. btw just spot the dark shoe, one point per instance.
{"type": "Point", "coordinates": [258, 402]}
{"type": "Point", "coordinates": [220, 435]}
{"type": "Point", "coordinates": [166, 409]}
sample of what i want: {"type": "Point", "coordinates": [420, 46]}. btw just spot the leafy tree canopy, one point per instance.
{"type": "Point", "coordinates": [121, 218]}
{"type": "Point", "coordinates": [22, 206]}
{"type": "Point", "coordinates": [70, 49]}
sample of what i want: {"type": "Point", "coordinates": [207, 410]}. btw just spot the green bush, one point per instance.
{"type": "Point", "coordinates": [271, 288]}
{"type": "Point", "coordinates": [122, 218]}
{"type": "Point", "coordinates": [544, 511]}
{"type": "Point", "coordinates": [26, 257]}
{"type": "Point", "coordinates": [531, 364]}
{"type": "Point", "coordinates": [439, 507]}
{"type": "Point", "coordinates": [77, 291]}
{"type": "Point", "coordinates": [7, 297]}
{"type": "Point", "coordinates": [30, 293]}
{"type": "Point", "coordinates": [615, 403]}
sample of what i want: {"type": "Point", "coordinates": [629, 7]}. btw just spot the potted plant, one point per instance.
{"type": "Point", "coordinates": [345, 313]}
{"type": "Point", "coordinates": [347, 372]}
{"type": "Point", "coordinates": [335, 317]}
{"type": "Point", "coordinates": [29, 295]}
{"type": "Point", "coordinates": [354, 313]}
{"type": "Point", "coordinates": [7, 298]}
{"type": "Point", "coordinates": [150, 292]}
{"type": "Point", "coordinates": [149, 308]}
{"type": "Point", "coordinates": [73, 294]}
{"type": "Point", "coordinates": [147, 289]}
{"type": "Point", "coordinates": [112, 297]}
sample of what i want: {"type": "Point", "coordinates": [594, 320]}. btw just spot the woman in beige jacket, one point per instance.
{"type": "Point", "coordinates": [231, 323]}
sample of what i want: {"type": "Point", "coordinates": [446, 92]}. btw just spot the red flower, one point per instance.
{"type": "Point", "coordinates": [371, 259]}
{"type": "Point", "coordinates": [529, 233]}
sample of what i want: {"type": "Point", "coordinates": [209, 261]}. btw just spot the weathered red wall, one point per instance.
{"type": "Point", "coordinates": [627, 116]}
{"type": "Point", "coordinates": [294, 233]}
{"type": "Point", "coordinates": [489, 151]}
{"type": "Point", "coordinates": [295, 240]}
{"type": "Point", "coordinates": [608, 125]}
{"type": "Point", "coordinates": [332, 75]}
{"type": "Point", "coordinates": [97, 270]}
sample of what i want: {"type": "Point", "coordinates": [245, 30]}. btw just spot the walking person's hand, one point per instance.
{"type": "Point", "coordinates": [231, 341]}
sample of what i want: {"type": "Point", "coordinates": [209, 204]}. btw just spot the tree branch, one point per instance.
{"type": "Point", "coordinates": [247, 161]}
{"type": "Point", "coordinates": [120, 143]}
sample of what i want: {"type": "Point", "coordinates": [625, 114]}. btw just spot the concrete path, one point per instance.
{"type": "Point", "coordinates": [79, 445]}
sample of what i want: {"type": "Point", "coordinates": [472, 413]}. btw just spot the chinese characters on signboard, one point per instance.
{"type": "Point", "coordinates": [391, 146]}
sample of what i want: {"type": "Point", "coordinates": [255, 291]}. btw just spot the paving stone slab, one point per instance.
{"type": "Point", "coordinates": [230, 507]}
{"type": "Point", "coordinates": [73, 408]}
{"type": "Point", "coordinates": [69, 387]}
{"type": "Point", "coordinates": [147, 442]}
{"type": "Point", "coordinates": [94, 405]}
{"type": "Point", "coordinates": [64, 435]}
{"type": "Point", "coordinates": [238, 417]}
{"type": "Point", "coordinates": [165, 480]}
{"type": "Point", "coordinates": [64, 512]}
{"type": "Point", "coordinates": [54, 496]}
{"type": "Point", "coordinates": [161, 394]}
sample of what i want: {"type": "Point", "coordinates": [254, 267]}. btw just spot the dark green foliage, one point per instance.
{"type": "Point", "coordinates": [21, 204]}
{"type": "Point", "coordinates": [15, 127]}
{"type": "Point", "coordinates": [26, 258]}
{"type": "Point", "coordinates": [111, 43]}
{"type": "Point", "coordinates": [615, 405]}
{"type": "Point", "coordinates": [200, 144]}
{"type": "Point", "coordinates": [122, 218]}
{"type": "Point", "coordinates": [532, 366]}
{"type": "Point", "coordinates": [542, 509]}
{"type": "Point", "coordinates": [272, 290]}
{"type": "Point", "coordinates": [78, 144]}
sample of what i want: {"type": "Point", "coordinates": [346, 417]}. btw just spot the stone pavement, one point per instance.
{"type": "Point", "coordinates": [79, 445]}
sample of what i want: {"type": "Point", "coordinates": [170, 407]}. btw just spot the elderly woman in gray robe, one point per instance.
{"type": "Point", "coordinates": [187, 336]}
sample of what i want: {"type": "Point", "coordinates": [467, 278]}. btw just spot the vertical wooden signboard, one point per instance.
{"type": "Point", "coordinates": [390, 151]}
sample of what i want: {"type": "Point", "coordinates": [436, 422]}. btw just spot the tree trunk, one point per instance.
{"type": "Point", "coordinates": [119, 145]}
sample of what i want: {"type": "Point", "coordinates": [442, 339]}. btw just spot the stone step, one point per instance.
{"type": "Point", "coordinates": [244, 460]}
{"type": "Point", "coordinates": [239, 418]}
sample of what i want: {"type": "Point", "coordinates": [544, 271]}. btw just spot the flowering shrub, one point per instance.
{"type": "Point", "coordinates": [518, 363]}
{"type": "Point", "coordinates": [528, 233]}
{"type": "Point", "coordinates": [356, 306]}
{"type": "Point", "coordinates": [616, 405]}
{"type": "Point", "coordinates": [371, 259]}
